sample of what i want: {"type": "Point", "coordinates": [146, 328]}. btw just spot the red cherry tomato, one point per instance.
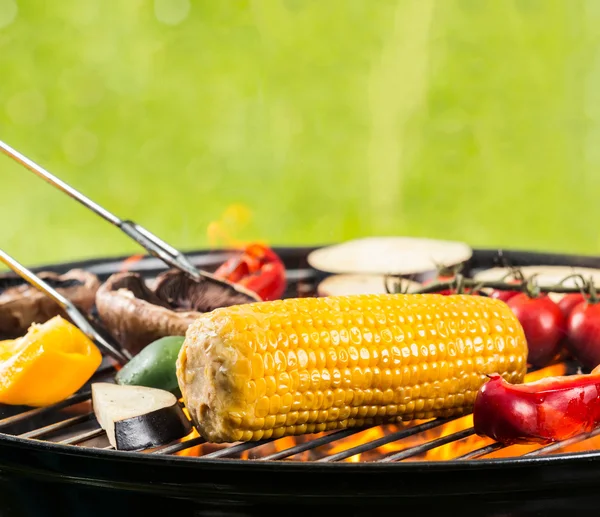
{"type": "Point", "coordinates": [503, 295]}
{"type": "Point", "coordinates": [543, 324]}
{"type": "Point", "coordinates": [583, 333]}
{"type": "Point", "coordinates": [568, 302]}
{"type": "Point", "coordinates": [445, 292]}
{"type": "Point", "coordinates": [448, 292]}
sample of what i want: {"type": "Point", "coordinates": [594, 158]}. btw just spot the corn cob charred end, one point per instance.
{"type": "Point", "coordinates": [288, 367]}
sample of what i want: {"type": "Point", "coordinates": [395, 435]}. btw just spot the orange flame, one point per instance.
{"type": "Point", "coordinates": [461, 447]}
{"type": "Point", "coordinates": [445, 452]}
{"type": "Point", "coordinates": [191, 451]}
{"type": "Point", "coordinates": [130, 261]}
{"type": "Point", "coordinates": [553, 370]}
{"type": "Point", "coordinates": [221, 233]}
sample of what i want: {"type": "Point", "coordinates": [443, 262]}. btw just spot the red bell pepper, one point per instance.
{"type": "Point", "coordinates": [543, 411]}
{"type": "Point", "coordinates": [257, 268]}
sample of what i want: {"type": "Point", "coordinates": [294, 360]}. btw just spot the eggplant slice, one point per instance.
{"type": "Point", "coordinates": [137, 417]}
{"type": "Point", "coordinates": [389, 256]}
{"type": "Point", "coordinates": [136, 314]}
{"type": "Point", "coordinates": [22, 304]}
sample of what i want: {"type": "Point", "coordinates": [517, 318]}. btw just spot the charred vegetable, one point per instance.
{"type": "Point", "coordinates": [21, 304]}
{"type": "Point", "coordinates": [154, 366]}
{"type": "Point", "coordinates": [47, 365]}
{"type": "Point", "coordinates": [548, 410]}
{"type": "Point", "coordinates": [136, 417]}
{"type": "Point", "coordinates": [257, 268]}
{"type": "Point", "coordinates": [136, 314]}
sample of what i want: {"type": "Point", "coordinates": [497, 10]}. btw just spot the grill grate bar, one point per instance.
{"type": "Point", "coordinates": [234, 449]}
{"type": "Point", "coordinates": [74, 440]}
{"type": "Point", "coordinates": [180, 446]}
{"type": "Point", "coordinates": [392, 437]}
{"type": "Point", "coordinates": [565, 443]}
{"type": "Point", "coordinates": [71, 401]}
{"type": "Point", "coordinates": [312, 444]}
{"type": "Point", "coordinates": [413, 451]}
{"type": "Point", "coordinates": [483, 451]}
{"type": "Point", "coordinates": [43, 431]}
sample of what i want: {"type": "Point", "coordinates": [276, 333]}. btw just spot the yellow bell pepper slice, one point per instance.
{"type": "Point", "coordinates": [47, 365]}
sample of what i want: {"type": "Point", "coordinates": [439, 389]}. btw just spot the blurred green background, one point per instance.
{"type": "Point", "coordinates": [301, 121]}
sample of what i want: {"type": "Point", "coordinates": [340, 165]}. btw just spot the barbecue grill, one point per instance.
{"type": "Point", "coordinates": [57, 460]}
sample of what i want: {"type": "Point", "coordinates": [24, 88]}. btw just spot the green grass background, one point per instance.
{"type": "Point", "coordinates": [476, 120]}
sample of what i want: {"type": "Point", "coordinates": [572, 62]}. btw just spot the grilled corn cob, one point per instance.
{"type": "Point", "coordinates": [288, 367]}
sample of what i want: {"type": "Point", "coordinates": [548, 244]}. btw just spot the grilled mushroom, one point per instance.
{"type": "Point", "coordinates": [22, 304]}
{"type": "Point", "coordinates": [137, 314]}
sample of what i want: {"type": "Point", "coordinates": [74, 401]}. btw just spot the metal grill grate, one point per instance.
{"type": "Point", "coordinates": [72, 423]}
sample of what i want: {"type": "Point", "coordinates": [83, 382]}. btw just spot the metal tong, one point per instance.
{"type": "Point", "coordinates": [76, 316]}
{"type": "Point", "coordinates": [154, 245]}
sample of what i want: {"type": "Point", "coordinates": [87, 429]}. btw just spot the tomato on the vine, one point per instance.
{"type": "Point", "coordinates": [568, 302]}
{"type": "Point", "coordinates": [543, 324]}
{"type": "Point", "coordinates": [442, 278]}
{"type": "Point", "coordinates": [583, 332]}
{"type": "Point", "coordinates": [448, 292]}
{"type": "Point", "coordinates": [503, 295]}
{"type": "Point", "coordinates": [466, 290]}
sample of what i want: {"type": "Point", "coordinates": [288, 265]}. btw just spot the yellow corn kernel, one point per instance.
{"type": "Point", "coordinates": [312, 364]}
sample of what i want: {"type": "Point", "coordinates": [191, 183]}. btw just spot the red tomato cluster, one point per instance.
{"type": "Point", "coordinates": [573, 323]}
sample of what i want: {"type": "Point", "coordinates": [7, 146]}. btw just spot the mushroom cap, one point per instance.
{"type": "Point", "coordinates": [137, 314]}
{"type": "Point", "coordinates": [21, 304]}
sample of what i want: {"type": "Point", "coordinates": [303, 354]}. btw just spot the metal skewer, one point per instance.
{"type": "Point", "coordinates": [153, 244]}
{"type": "Point", "coordinates": [76, 316]}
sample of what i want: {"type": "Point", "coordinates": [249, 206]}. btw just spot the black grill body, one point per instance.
{"type": "Point", "coordinates": [39, 478]}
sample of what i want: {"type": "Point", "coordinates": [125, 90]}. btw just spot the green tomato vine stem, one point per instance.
{"type": "Point", "coordinates": [459, 283]}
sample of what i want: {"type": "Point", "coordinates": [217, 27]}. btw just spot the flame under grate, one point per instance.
{"type": "Point", "coordinates": [72, 423]}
